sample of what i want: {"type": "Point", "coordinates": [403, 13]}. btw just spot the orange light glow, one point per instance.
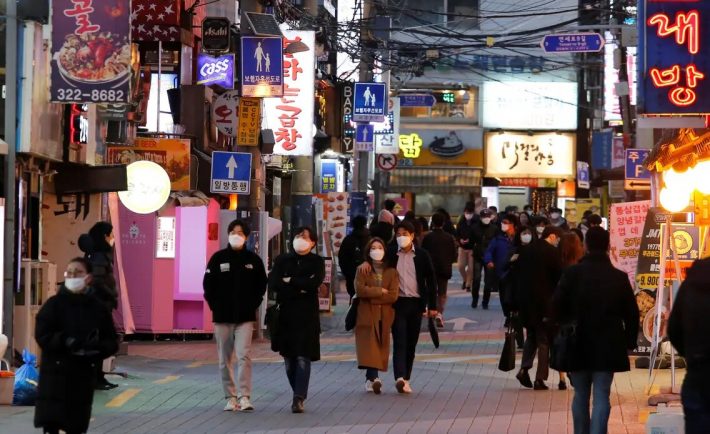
{"type": "Point", "coordinates": [693, 75]}
{"type": "Point", "coordinates": [686, 28]}
{"type": "Point", "coordinates": [665, 77]}
{"type": "Point", "coordinates": [682, 96]}
{"type": "Point", "coordinates": [233, 202]}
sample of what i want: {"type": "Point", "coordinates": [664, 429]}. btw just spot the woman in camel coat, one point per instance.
{"type": "Point", "coordinates": [376, 290]}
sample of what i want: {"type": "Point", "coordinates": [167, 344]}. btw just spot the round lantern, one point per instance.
{"type": "Point", "coordinates": [148, 187]}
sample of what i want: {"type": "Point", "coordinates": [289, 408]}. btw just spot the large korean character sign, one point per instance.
{"type": "Point", "coordinates": [674, 60]}
{"type": "Point", "coordinates": [291, 116]}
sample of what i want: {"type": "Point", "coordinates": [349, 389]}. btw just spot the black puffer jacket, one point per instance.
{"type": "Point", "coordinates": [100, 254]}
{"type": "Point", "coordinates": [688, 326]}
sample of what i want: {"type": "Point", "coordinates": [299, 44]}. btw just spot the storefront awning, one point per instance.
{"type": "Point", "coordinates": [434, 180]}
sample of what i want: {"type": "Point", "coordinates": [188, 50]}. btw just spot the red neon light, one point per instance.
{"type": "Point", "coordinates": [693, 75]}
{"type": "Point", "coordinates": [686, 28]}
{"type": "Point", "coordinates": [665, 77]}
{"type": "Point", "coordinates": [682, 96]}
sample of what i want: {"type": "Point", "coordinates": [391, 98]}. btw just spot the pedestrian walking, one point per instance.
{"type": "Point", "coordinates": [509, 296]}
{"type": "Point", "coordinates": [497, 256]}
{"type": "Point", "coordinates": [688, 330]}
{"type": "Point", "coordinates": [597, 301]}
{"type": "Point", "coordinates": [234, 285]}
{"type": "Point", "coordinates": [540, 224]}
{"type": "Point", "coordinates": [448, 224]}
{"type": "Point", "coordinates": [541, 267]}
{"type": "Point", "coordinates": [75, 332]}
{"type": "Point", "coordinates": [417, 292]}
{"type": "Point", "coordinates": [350, 255]}
{"type": "Point", "coordinates": [98, 247]}
{"type": "Point", "coordinates": [557, 220]}
{"type": "Point", "coordinates": [377, 290]}
{"type": "Point", "coordinates": [383, 228]}
{"type": "Point", "coordinates": [295, 279]}
{"type": "Point", "coordinates": [442, 248]}
{"type": "Point", "coordinates": [466, 244]}
{"type": "Point", "coordinates": [483, 233]}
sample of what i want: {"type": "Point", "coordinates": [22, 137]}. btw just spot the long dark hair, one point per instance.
{"type": "Point", "coordinates": [366, 253]}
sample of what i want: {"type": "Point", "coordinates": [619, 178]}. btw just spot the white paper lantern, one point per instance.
{"type": "Point", "coordinates": [148, 187]}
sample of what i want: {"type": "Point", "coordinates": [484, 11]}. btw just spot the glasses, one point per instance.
{"type": "Point", "coordinates": [77, 273]}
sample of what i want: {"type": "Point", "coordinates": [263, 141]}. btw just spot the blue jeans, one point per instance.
{"type": "Point", "coordinates": [298, 371]}
{"type": "Point", "coordinates": [585, 383]}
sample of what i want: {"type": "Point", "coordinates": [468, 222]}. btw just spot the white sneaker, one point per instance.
{"type": "Point", "coordinates": [407, 387]}
{"type": "Point", "coordinates": [377, 386]}
{"type": "Point", "coordinates": [368, 386]}
{"type": "Point", "coordinates": [245, 404]}
{"type": "Point", "coordinates": [231, 405]}
{"type": "Point", "coordinates": [400, 384]}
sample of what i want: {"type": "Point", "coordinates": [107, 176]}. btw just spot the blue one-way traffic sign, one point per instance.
{"type": "Point", "coordinates": [365, 137]}
{"type": "Point", "coordinates": [573, 43]}
{"type": "Point", "coordinates": [231, 172]}
{"type": "Point", "coordinates": [417, 100]}
{"type": "Point", "coordinates": [370, 103]}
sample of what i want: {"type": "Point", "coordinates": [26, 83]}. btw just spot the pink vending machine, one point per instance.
{"type": "Point", "coordinates": [164, 256]}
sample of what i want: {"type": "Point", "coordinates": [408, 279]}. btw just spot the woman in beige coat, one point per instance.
{"type": "Point", "coordinates": [377, 289]}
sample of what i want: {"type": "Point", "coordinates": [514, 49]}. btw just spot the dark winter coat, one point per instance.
{"type": "Point", "coordinates": [442, 248]}
{"type": "Point", "coordinates": [599, 298]}
{"type": "Point", "coordinates": [299, 321]}
{"type": "Point", "coordinates": [464, 231]}
{"type": "Point", "coordinates": [66, 381]}
{"type": "Point", "coordinates": [540, 267]}
{"type": "Point", "coordinates": [426, 279]}
{"type": "Point", "coordinates": [234, 285]}
{"type": "Point", "coordinates": [482, 236]}
{"type": "Point", "coordinates": [100, 254]}
{"type": "Point", "coordinates": [350, 256]}
{"type": "Point", "coordinates": [382, 230]}
{"type": "Point", "coordinates": [688, 326]}
{"type": "Point", "coordinates": [499, 252]}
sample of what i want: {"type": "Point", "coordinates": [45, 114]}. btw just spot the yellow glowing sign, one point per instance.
{"type": "Point", "coordinates": [411, 145]}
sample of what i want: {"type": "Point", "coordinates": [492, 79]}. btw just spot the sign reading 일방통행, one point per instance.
{"type": "Point", "coordinates": [513, 155]}
{"type": "Point", "coordinates": [291, 116]}
{"type": "Point", "coordinates": [674, 61]}
{"type": "Point", "coordinates": [91, 51]}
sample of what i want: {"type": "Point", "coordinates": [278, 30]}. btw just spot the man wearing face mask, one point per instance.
{"type": "Point", "coordinates": [234, 285]}
{"type": "Point", "coordinates": [540, 224]}
{"type": "Point", "coordinates": [557, 220]}
{"type": "Point", "coordinates": [466, 241]}
{"type": "Point", "coordinates": [483, 233]}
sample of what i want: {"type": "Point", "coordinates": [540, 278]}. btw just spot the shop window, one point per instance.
{"type": "Point", "coordinates": [453, 104]}
{"type": "Point", "coordinates": [456, 14]}
{"type": "Point", "coordinates": [160, 122]}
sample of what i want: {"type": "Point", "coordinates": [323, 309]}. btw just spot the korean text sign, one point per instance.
{"type": "Point", "coordinates": [675, 63]}
{"type": "Point", "coordinates": [291, 116]}
{"type": "Point", "coordinates": [626, 221]}
{"type": "Point", "coordinates": [91, 51]}
{"type": "Point", "coordinates": [518, 155]}
{"type": "Point", "coordinates": [262, 70]}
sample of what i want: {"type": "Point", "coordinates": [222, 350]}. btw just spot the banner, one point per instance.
{"type": "Point", "coordinates": [173, 155]}
{"type": "Point", "coordinates": [626, 221]}
{"type": "Point", "coordinates": [91, 51]}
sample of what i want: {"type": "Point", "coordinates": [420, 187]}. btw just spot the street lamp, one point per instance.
{"type": "Point", "coordinates": [148, 187]}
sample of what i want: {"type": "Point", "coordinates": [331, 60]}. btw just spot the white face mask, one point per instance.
{"type": "Point", "coordinates": [468, 216]}
{"type": "Point", "coordinates": [377, 254]}
{"type": "Point", "coordinates": [554, 215]}
{"type": "Point", "coordinates": [540, 229]}
{"type": "Point", "coordinates": [526, 238]}
{"type": "Point", "coordinates": [236, 241]}
{"type": "Point", "coordinates": [504, 227]}
{"type": "Point", "coordinates": [111, 242]}
{"type": "Point", "coordinates": [75, 284]}
{"type": "Point", "coordinates": [486, 220]}
{"type": "Point", "coordinates": [301, 246]}
{"type": "Point", "coordinates": [403, 242]}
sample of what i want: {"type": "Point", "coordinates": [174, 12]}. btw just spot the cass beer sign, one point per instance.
{"type": "Point", "coordinates": [216, 70]}
{"type": "Point", "coordinates": [215, 34]}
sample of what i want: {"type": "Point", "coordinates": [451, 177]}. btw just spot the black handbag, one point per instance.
{"type": "Point", "coordinates": [351, 316]}
{"type": "Point", "coordinates": [507, 357]}
{"type": "Point", "coordinates": [272, 325]}
{"type": "Point", "coordinates": [564, 348]}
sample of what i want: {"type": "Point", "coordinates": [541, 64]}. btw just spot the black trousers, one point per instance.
{"type": "Point", "coordinates": [537, 341]}
{"type": "Point", "coordinates": [442, 284]}
{"type": "Point", "coordinates": [490, 283]}
{"type": "Point", "coordinates": [405, 335]}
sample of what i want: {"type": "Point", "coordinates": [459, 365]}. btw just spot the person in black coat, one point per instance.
{"type": "Point", "coordinates": [75, 332]}
{"type": "Point", "coordinates": [97, 246]}
{"type": "Point", "coordinates": [350, 253]}
{"type": "Point", "coordinates": [442, 248]}
{"type": "Point", "coordinates": [540, 270]}
{"type": "Point", "coordinates": [597, 299]}
{"type": "Point", "coordinates": [688, 329]}
{"type": "Point", "coordinates": [482, 233]}
{"type": "Point", "coordinates": [295, 279]}
{"type": "Point", "coordinates": [383, 228]}
{"type": "Point", "coordinates": [234, 285]}
{"type": "Point", "coordinates": [466, 243]}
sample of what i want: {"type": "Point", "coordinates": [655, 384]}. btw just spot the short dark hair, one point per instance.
{"type": "Point", "coordinates": [470, 206]}
{"type": "Point", "coordinates": [511, 218]}
{"type": "Point", "coordinates": [359, 222]}
{"type": "Point", "coordinates": [83, 261]}
{"type": "Point", "coordinates": [407, 226]}
{"type": "Point", "coordinates": [527, 207]}
{"type": "Point", "coordinates": [597, 239]}
{"type": "Point", "coordinates": [390, 204]}
{"type": "Point", "coordinates": [594, 219]}
{"type": "Point", "coordinates": [301, 229]}
{"type": "Point", "coordinates": [493, 208]}
{"type": "Point", "coordinates": [551, 230]}
{"type": "Point", "coordinates": [437, 220]}
{"type": "Point", "coordinates": [540, 220]}
{"type": "Point", "coordinates": [242, 224]}
{"type": "Point", "coordinates": [424, 223]}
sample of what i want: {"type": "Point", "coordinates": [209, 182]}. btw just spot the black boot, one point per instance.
{"type": "Point", "coordinates": [297, 406]}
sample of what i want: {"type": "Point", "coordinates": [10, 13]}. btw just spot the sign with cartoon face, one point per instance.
{"type": "Point", "coordinates": [460, 147]}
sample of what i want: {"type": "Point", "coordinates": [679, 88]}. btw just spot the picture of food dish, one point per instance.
{"type": "Point", "coordinates": [340, 207]}
{"type": "Point", "coordinates": [648, 324]}
{"type": "Point", "coordinates": [94, 57]}
{"type": "Point", "coordinates": [331, 209]}
{"type": "Point", "coordinates": [338, 224]}
{"type": "Point", "coordinates": [645, 301]}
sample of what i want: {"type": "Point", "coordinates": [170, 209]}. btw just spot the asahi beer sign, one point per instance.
{"type": "Point", "coordinates": [215, 34]}
{"type": "Point", "coordinates": [91, 51]}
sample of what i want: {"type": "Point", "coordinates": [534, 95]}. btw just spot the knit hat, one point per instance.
{"type": "Point", "coordinates": [386, 217]}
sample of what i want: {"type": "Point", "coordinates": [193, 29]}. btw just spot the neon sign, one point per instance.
{"type": "Point", "coordinates": [673, 58]}
{"type": "Point", "coordinates": [410, 145]}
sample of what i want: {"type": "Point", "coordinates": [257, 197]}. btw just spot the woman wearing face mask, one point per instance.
{"type": "Point", "coordinates": [540, 224]}
{"type": "Point", "coordinates": [75, 332]}
{"type": "Point", "coordinates": [295, 279]}
{"type": "Point", "coordinates": [498, 255]}
{"type": "Point", "coordinates": [377, 290]}
{"type": "Point", "coordinates": [97, 246]}
{"type": "Point", "coordinates": [509, 286]}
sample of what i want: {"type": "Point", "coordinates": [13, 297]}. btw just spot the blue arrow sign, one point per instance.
{"type": "Point", "coordinates": [364, 137]}
{"type": "Point", "coordinates": [573, 43]}
{"type": "Point", "coordinates": [231, 172]}
{"type": "Point", "coordinates": [370, 103]}
{"type": "Point", "coordinates": [416, 100]}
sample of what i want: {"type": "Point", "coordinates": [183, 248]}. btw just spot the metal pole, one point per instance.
{"type": "Point", "coordinates": [10, 190]}
{"type": "Point", "coordinates": [362, 159]}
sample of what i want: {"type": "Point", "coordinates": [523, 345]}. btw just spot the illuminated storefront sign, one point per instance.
{"type": "Point", "coordinates": [410, 145]}
{"type": "Point", "coordinates": [512, 155]}
{"type": "Point", "coordinates": [674, 72]}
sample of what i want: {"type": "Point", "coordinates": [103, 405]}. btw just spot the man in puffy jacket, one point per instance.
{"type": "Point", "coordinates": [442, 249]}
{"type": "Point", "coordinates": [234, 285]}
